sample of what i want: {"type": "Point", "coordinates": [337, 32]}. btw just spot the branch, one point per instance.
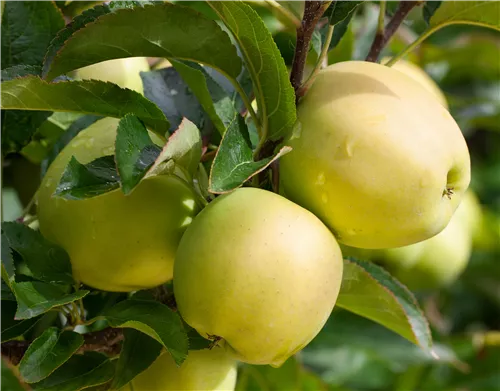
{"type": "Point", "coordinates": [382, 37]}
{"type": "Point", "coordinates": [105, 341]}
{"type": "Point", "coordinates": [313, 10]}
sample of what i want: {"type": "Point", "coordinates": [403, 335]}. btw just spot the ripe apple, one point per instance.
{"type": "Point", "coordinates": [267, 279]}
{"type": "Point", "coordinates": [419, 75]}
{"type": "Point", "coordinates": [203, 370]}
{"type": "Point", "coordinates": [115, 242]}
{"type": "Point", "coordinates": [122, 71]}
{"type": "Point", "coordinates": [375, 157]}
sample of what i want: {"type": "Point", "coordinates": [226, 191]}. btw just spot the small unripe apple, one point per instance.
{"type": "Point", "coordinates": [420, 76]}
{"type": "Point", "coordinates": [203, 370]}
{"type": "Point", "coordinates": [122, 71]}
{"type": "Point", "coordinates": [115, 242]}
{"type": "Point", "coordinates": [375, 157]}
{"type": "Point", "coordinates": [258, 271]}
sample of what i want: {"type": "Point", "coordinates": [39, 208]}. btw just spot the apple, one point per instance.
{"type": "Point", "coordinates": [258, 271]}
{"type": "Point", "coordinates": [116, 242]}
{"type": "Point", "coordinates": [203, 370]}
{"type": "Point", "coordinates": [440, 260]}
{"type": "Point", "coordinates": [122, 71]}
{"type": "Point", "coordinates": [419, 75]}
{"type": "Point", "coordinates": [375, 157]}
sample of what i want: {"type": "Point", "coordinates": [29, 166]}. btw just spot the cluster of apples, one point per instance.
{"type": "Point", "coordinates": [377, 162]}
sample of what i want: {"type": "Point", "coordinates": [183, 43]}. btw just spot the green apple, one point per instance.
{"type": "Point", "coordinates": [420, 76]}
{"type": "Point", "coordinates": [116, 242]}
{"type": "Point", "coordinates": [440, 260]}
{"type": "Point", "coordinates": [268, 277]}
{"type": "Point", "coordinates": [375, 157]}
{"type": "Point", "coordinates": [203, 370]}
{"type": "Point", "coordinates": [122, 71]}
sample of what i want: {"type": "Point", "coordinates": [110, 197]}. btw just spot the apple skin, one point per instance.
{"type": "Point", "coordinates": [268, 279]}
{"type": "Point", "coordinates": [203, 370]}
{"type": "Point", "coordinates": [420, 76]}
{"type": "Point", "coordinates": [375, 157]}
{"type": "Point", "coordinates": [122, 71]}
{"type": "Point", "coordinates": [115, 242]}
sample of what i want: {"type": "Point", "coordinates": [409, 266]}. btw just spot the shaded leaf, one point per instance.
{"type": "Point", "coordinates": [154, 31]}
{"type": "Point", "coordinates": [18, 127]}
{"type": "Point", "coordinates": [429, 9]}
{"type": "Point", "coordinates": [20, 71]}
{"type": "Point", "coordinates": [27, 29]}
{"type": "Point", "coordinates": [46, 261]}
{"type": "Point", "coordinates": [10, 382]}
{"type": "Point", "coordinates": [234, 164]}
{"type": "Point", "coordinates": [135, 152]}
{"type": "Point", "coordinates": [138, 352]}
{"type": "Point", "coordinates": [78, 373]}
{"type": "Point", "coordinates": [196, 341]}
{"type": "Point", "coordinates": [85, 181]}
{"type": "Point", "coordinates": [47, 353]}
{"type": "Point", "coordinates": [7, 260]}
{"type": "Point", "coordinates": [154, 319]}
{"type": "Point", "coordinates": [35, 298]}
{"type": "Point", "coordinates": [339, 11]}
{"type": "Point", "coordinates": [273, 90]}
{"type": "Point", "coordinates": [173, 96]}
{"type": "Point", "coordinates": [84, 96]}
{"type": "Point", "coordinates": [10, 327]}
{"type": "Point", "coordinates": [369, 291]}
{"type": "Point", "coordinates": [482, 13]}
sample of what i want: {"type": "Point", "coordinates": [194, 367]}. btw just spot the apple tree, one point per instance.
{"type": "Point", "coordinates": [250, 195]}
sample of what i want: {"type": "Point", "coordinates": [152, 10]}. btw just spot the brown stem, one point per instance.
{"type": "Point", "coordinates": [381, 38]}
{"type": "Point", "coordinates": [105, 341]}
{"type": "Point", "coordinates": [313, 10]}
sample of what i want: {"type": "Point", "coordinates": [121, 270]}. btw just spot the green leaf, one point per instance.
{"type": "Point", "coordinates": [154, 319]}
{"type": "Point", "coordinates": [135, 152]}
{"type": "Point", "coordinates": [20, 71]}
{"type": "Point", "coordinates": [47, 353]}
{"type": "Point", "coordinates": [76, 24]}
{"type": "Point", "coordinates": [117, 4]}
{"type": "Point", "coordinates": [265, 377]}
{"type": "Point", "coordinates": [81, 181]}
{"type": "Point", "coordinates": [138, 352]}
{"type": "Point", "coordinates": [27, 29]}
{"type": "Point", "coordinates": [481, 13]}
{"type": "Point", "coordinates": [369, 291]}
{"type": "Point", "coordinates": [339, 32]}
{"type": "Point", "coordinates": [7, 260]}
{"type": "Point", "coordinates": [10, 327]}
{"type": "Point", "coordinates": [234, 164]}
{"type": "Point", "coordinates": [196, 341]}
{"type": "Point", "coordinates": [10, 382]}
{"type": "Point", "coordinates": [154, 31]}
{"type": "Point", "coordinates": [212, 97]}
{"type": "Point", "coordinates": [45, 260]}
{"type": "Point", "coordinates": [173, 96]}
{"type": "Point", "coordinates": [340, 10]}
{"type": "Point", "coordinates": [35, 298]}
{"type": "Point", "coordinates": [429, 9]}
{"type": "Point", "coordinates": [18, 127]}
{"type": "Point", "coordinates": [78, 373]}
{"type": "Point", "coordinates": [84, 96]}
{"type": "Point", "coordinates": [183, 148]}
{"type": "Point", "coordinates": [274, 92]}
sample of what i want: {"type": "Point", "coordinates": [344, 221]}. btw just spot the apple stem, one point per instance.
{"type": "Point", "coordinates": [382, 37]}
{"type": "Point", "coordinates": [313, 10]}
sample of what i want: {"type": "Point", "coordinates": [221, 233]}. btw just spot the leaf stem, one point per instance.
{"type": "Point", "coordinates": [381, 17]}
{"type": "Point", "coordinates": [382, 37]}
{"type": "Point", "coordinates": [319, 64]}
{"type": "Point", "coordinates": [290, 16]}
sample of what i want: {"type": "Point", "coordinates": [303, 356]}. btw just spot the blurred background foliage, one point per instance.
{"type": "Point", "coordinates": [352, 353]}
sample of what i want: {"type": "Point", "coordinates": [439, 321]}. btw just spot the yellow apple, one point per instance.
{"type": "Point", "coordinates": [377, 159]}
{"type": "Point", "coordinates": [203, 370]}
{"type": "Point", "coordinates": [267, 279]}
{"type": "Point", "coordinates": [122, 71]}
{"type": "Point", "coordinates": [420, 76]}
{"type": "Point", "coordinates": [115, 242]}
